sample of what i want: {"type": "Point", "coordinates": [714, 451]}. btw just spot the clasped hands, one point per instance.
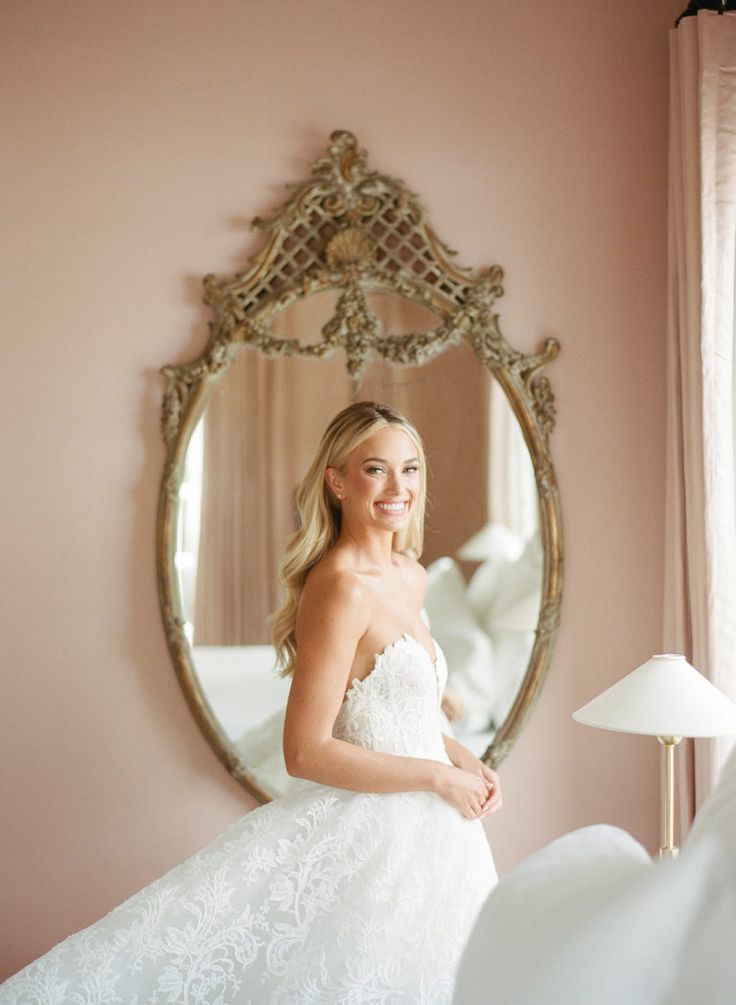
{"type": "Point", "coordinates": [470, 785]}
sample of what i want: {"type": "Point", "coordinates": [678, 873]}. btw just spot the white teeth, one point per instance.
{"type": "Point", "coordinates": [392, 507]}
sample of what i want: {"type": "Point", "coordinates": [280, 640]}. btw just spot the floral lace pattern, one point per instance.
{"type": "Point", "coordinates": [323, 897]}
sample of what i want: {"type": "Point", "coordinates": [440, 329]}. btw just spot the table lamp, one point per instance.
{"type": "Point", "coordinates": [665, 697]}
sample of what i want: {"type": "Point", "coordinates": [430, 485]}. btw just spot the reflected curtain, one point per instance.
{"type": "Point", "coordinates": [236, 464]}
{"type": "Point", "coordinates": [261, 428]}
{"type": "Point", "coordinates": [512, 487]}
{"type": "Point", "coordinates": [700, 573]}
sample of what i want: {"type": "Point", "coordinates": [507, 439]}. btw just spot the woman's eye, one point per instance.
{"type": "Point", "coordinates": [411, 469]}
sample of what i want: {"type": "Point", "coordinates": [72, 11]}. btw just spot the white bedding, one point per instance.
{"type": "Point", "coordinates": [241, 684]}
{"type": "Point", "coordinates": [590, 920]}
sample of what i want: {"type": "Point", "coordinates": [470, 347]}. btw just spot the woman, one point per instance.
{"type": "Point", "coordinates": [362, 884]}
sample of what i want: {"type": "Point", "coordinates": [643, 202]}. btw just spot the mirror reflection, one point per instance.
{"type": "Point", "coordinates": [244, 460]}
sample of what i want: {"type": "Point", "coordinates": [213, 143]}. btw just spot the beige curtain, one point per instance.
{"type": "Point", "coordinates": [236, 463]}
{"type": "Point", "coordinates": [700, 574]}
{"type": "Point", "coordinates": [512, 487]}
{"type": "Point", "coordinates": [261, 427]}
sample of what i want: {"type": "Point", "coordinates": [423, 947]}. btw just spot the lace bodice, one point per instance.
{"type": "Point", "coordinates": [396, 708]}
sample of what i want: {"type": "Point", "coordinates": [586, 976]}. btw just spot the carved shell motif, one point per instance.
{"type": "Point", "coordinates": [350, 248]}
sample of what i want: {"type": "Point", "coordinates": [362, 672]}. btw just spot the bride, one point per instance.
{"type": "Point", "coordinates": [362, 884]}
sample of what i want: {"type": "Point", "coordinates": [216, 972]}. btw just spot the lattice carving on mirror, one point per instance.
{"type": "Point", "coordinates": [388, 239]}
{"type": "Point", "coordinates": [355, 230]}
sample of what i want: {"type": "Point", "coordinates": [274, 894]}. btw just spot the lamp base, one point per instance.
{"type": "Point", "coordinates": [668, 849]}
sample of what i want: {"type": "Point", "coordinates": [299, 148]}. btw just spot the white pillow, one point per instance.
{"type": "Point", "coordinates": [707, 969]}
{"type": "Point", "coordinates": [511, 652]}
{"type": "Point", "coordinates": [587, 919]}
{"type": "Point", "coordinates": [506, 595]}
{"type": "Point", "coordinates": [494, 541]}
{"type": "Point", "coordinates": [467, 648]}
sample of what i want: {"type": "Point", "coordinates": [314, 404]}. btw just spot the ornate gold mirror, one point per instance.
{"type": "Point", "coordinates": [354, 297]}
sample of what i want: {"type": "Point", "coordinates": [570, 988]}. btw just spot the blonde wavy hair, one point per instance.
{"type": "Point", "coordinates": [320, 517]}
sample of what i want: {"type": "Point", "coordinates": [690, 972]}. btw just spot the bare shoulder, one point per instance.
{"type": "Point", "coordinates": [329, 581]}
{"type": "Point", "coordinates": [333, 593]}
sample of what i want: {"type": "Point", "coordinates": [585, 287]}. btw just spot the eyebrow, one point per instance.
{"type": "Point", "coordinates": [383, 460]}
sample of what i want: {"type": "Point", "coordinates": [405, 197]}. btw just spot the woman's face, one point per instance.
{"type": "Point", "coordinates": [380, 484]}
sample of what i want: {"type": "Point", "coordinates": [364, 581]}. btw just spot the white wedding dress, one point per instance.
{"type": "Point", "coordinates": [322, 896]}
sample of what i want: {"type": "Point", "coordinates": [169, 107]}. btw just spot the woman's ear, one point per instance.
{"type": "Point", "coordinates": [334, 482]}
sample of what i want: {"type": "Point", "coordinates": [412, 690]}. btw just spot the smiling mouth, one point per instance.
{"type": "Point", "coordinates": [393, 508]}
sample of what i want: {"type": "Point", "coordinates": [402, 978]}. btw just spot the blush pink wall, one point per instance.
{"type": "Point", "coordinates": [139, 139]}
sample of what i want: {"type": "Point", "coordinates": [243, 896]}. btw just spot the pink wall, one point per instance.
{"type": "Point", "coordinates": [139, 139]}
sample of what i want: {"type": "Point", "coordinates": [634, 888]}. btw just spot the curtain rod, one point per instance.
{"type": "Point", "coordinates": [720, 6]}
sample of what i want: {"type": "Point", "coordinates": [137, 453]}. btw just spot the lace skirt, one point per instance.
{"type": "Point", "coordinates": [323, 896]}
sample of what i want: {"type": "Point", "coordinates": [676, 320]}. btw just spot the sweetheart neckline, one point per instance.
{"type": "Point", "coordinates": [404, 637]}
{"type": "Point", "coordinates": [411, 638]}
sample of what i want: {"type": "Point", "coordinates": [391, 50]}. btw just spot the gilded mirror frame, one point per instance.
{"type": "Point", "coordinates": [354, 231]}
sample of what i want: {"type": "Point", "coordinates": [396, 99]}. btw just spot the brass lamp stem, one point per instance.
{"type": "Point", "coordinates": [668, 849]}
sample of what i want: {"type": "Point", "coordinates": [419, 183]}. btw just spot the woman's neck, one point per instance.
{"type": "Point", "coordinates": [370, 549]}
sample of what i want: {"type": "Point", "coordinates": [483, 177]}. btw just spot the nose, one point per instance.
{"type": "Point", "coordinates": [394, 482]}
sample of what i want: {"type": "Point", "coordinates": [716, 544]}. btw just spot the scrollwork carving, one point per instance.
{"type": "Point", "coordinates": [544, 404]}
{"type": "Point", "coordinates": [350, 249]}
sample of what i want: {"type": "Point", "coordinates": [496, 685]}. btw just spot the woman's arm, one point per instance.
{"type": "Point", "coordinates": [332, 619]}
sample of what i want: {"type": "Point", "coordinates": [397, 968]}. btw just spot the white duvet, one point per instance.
{"type": "Point", "coordinates": [590, 920]}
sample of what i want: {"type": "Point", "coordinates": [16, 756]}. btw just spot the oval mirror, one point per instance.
{"type": "Point", "coordinates": [242, 424]}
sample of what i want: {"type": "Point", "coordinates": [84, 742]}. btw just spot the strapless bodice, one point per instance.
{"type": "Point", "coordinates": [396, 707]}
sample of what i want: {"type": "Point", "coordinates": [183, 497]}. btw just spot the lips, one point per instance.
{"type": "Point", "coordinates": [393, 508]}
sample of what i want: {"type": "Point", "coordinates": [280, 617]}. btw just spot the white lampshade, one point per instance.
{"type": "Point", "coordinates": [665, 696]}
